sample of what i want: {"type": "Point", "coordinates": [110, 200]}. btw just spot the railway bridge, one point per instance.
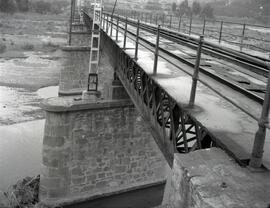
{"type": "Point", "coordinates": [205, 106]}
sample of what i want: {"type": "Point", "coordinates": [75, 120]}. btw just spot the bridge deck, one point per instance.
{"type": "Point", "coordinates": [231, 125]}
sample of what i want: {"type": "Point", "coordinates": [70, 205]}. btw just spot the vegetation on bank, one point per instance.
{"type": "Point", "coordinates": [38, 6]}
{"type": "Point", "coordinates": [252, 11]}
{"type": "Point", "coordinates": [24, 194]}
{"type": "Point", "coordinates": [255, 9]}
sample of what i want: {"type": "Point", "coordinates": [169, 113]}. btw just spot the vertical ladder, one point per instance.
{"type": "Point", "coordinates": [95, 46]}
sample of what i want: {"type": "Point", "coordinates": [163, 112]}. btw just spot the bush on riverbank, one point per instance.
{"type": "Point", "coordinates": [3, 47]}
{"type": "Point", "coordinates": [23, 194]}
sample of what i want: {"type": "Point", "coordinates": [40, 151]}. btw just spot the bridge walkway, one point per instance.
{"type": "Point", "coordinates": [228, 114]}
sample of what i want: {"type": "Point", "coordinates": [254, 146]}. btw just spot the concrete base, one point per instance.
{"type": "Point", "coordinates": [210, 178]}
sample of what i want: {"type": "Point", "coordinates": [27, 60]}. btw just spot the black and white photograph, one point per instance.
{"type": "Point", "coordinates": [134, 103]}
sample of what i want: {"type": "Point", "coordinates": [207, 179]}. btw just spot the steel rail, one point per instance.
{"type": "Point", "coordinates": [203, 70]}
{"type": "Point", "coordinates": [216, 50]}
{"type": "Point", "coordinates": [253, 64]}
{"type": "Point", "coordinates": [210, 48]}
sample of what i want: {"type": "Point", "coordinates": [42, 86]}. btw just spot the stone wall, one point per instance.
{"type": "Point", "coordinates": [75, 67]}
{"type": "Point", "coordinates": [93, 149]}
{"type": "Point", "coordinates": [74, 70]}
{"type": "Point", "coordinates": [80, 38]}
{"type": "Point", "coordinates": [210, 178]}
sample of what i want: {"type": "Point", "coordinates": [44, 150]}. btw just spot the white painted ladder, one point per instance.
{"type": "Point", "coordinates": [95, 47]}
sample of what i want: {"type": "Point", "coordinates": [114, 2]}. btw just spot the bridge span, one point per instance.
{"type": "Point", "coordinates": [161, 84]}
{"type": "Point", "coordinates": [185, 102]}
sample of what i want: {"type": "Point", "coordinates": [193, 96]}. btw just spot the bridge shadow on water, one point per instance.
{"type": "Point", "coordinates": [141, 198]}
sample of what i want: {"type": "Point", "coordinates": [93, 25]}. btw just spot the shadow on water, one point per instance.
{"type": "Point", "coordinates": [141, 198]}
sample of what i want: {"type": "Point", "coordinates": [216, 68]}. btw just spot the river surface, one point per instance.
{"type": "Point", "coordinates": [21, 119]}
{"type": "Point", "coordinates": [21, 143]}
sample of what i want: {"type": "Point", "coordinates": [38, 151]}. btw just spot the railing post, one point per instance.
{"type": "Point", "coordinates": [190, 25]}
{"type": "Point", "coordinates": [257, 151]}
{"type": "Point", "coordinates": [102, 22]}
{"type": "Point", "coordinates": [117, 28]}
{"type": "Point", "coordinates": [71, 20]}
{"type": "Point", "coordinates": [170, 21]}
{"type": "Point", "coordinates": [137, 40]}
{"type": "Point", "coordinates": [111, 26]}
{"type": "Point", "coordinates": [204, 22]}
{"type": "Point", "coordinates": [196, 73]}
{"type": "Point", "coordinates": [220, 31]}
{"type": "Point", "coordinates": [125, 35]}
{"type": "Point", "coordinates": [156, 51]}
{"type": "Point", "coordinates": [179, 25]}
{"type": "Point", "coordinates": [107, 23]}
{"type": "Point", "coordinates": [242, 37]}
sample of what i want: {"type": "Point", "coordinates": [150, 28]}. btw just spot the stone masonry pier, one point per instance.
{"type": "Point", "coordinates": [95, 149]}
{"type": "Point", "coordinates": [74, 71]}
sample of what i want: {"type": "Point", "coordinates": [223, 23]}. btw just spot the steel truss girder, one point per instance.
{"type": "Point", "coordinates": [173, 128]}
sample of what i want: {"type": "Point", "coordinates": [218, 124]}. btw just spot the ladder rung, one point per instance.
{"type": "Point", "coordinates": [95, 32]}
{"type": "Point", "coordinates": [94, 49]}
{"type": "Point", "coordinates": [94, 62]}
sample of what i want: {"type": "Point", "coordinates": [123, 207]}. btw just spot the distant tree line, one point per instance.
{"type": "Point", "coordinates": [153, 5]}
{"type": "Point", "coordinates": [39, 6]}
{"type": "Point", "coordinates": [195, 9]}
{"type": "Point", "coordinates": [257, 9]}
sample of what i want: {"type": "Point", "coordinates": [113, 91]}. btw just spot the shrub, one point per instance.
{"type": "Point", "coordinates": [22, 5]}
{"type": "Point", "coordinates": [28, 47]}
{"type": "Point", "coordinates": [207, 11]}
{"type": "Point", "coordinates": [7, 6]}
{"type": "Point", "coordinates": [3, 47]}
{"type": "Point", "coordinates": [41, 7]}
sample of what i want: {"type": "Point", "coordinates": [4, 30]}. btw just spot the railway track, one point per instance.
{"type": "Point", "coordinates": [258, 66]}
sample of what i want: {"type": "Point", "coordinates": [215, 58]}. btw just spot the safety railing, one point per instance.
{"type": "Point", "coordinates": [239, 36]}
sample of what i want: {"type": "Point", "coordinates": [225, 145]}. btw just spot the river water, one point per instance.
{"type": "Point", "coordinates": [22, 120]}
{"type": "Point", "coordinates": [21, 143]}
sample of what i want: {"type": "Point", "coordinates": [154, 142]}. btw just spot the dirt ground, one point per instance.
{"type": "Point", "coordinates": [23, 35]}
{"type": "Point", "coordinates": [30, 59]}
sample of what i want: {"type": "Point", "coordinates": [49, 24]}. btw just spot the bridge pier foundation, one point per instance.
{"type": "Point", "coordinates": [73, 73]}
{"type": "Point", "coordinates": [209, 178]}
{"type": "Point", "coordinates": [94, 149]}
